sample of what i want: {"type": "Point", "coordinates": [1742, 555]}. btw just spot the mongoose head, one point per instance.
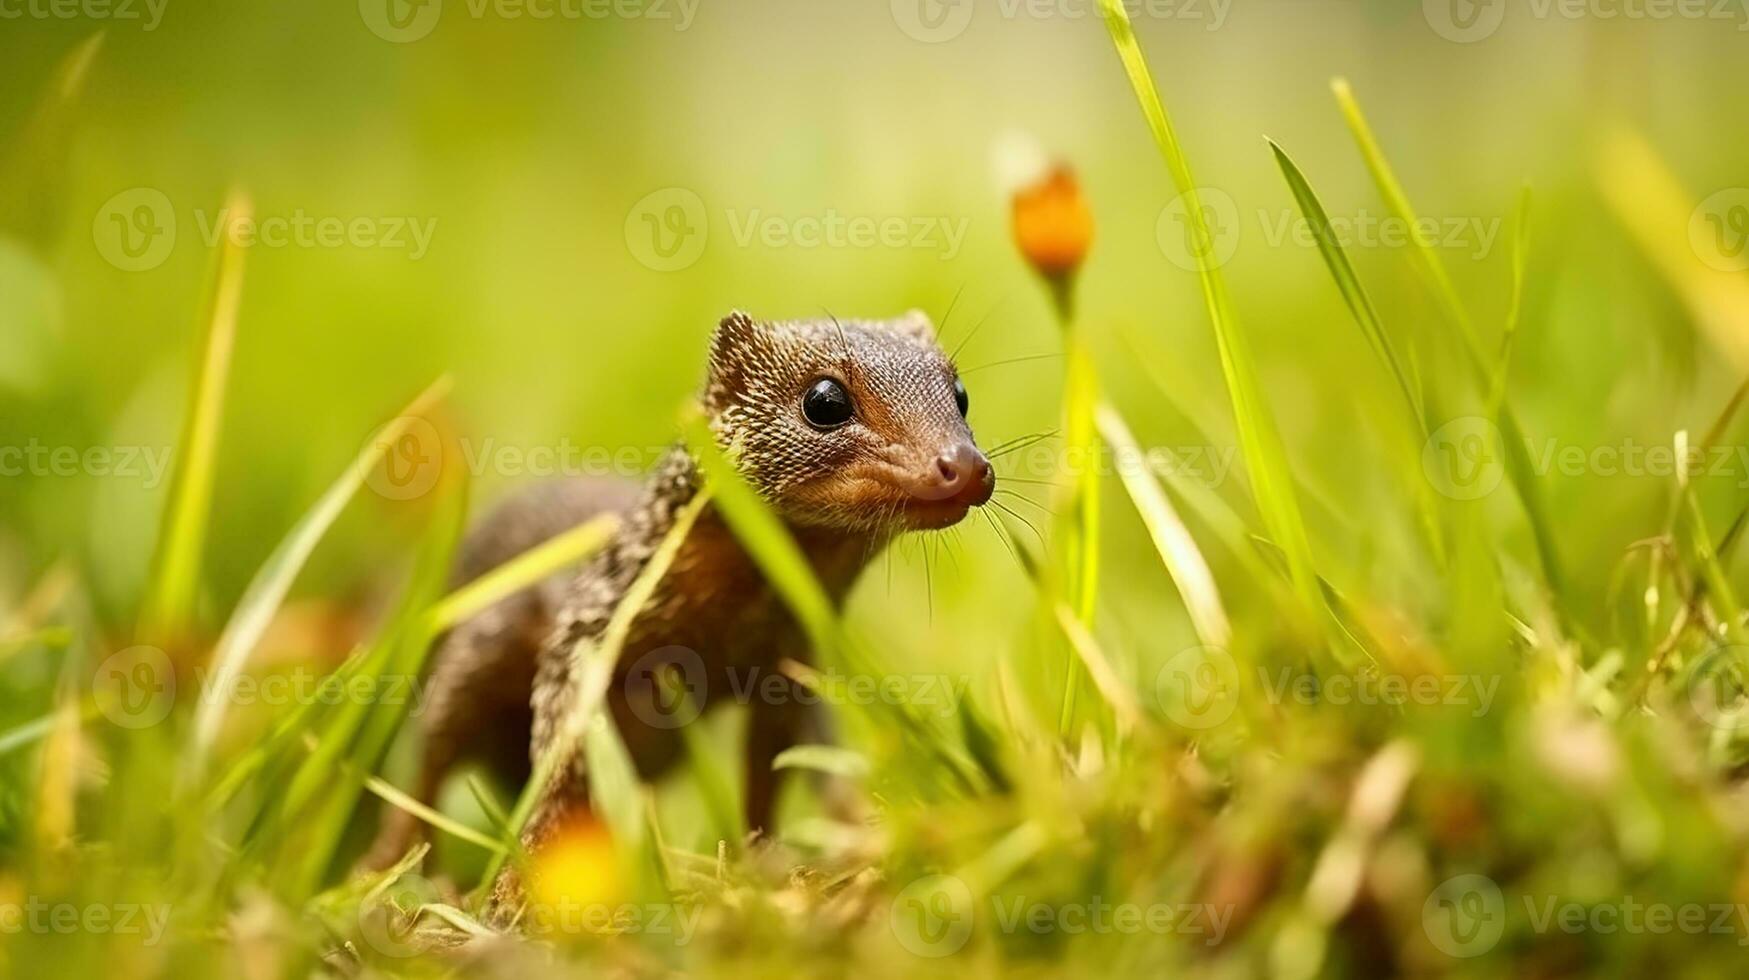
{"type": "Point", "coordinates": [853, 424]}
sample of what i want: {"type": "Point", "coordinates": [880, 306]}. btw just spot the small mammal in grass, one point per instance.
{"type": "Point", "coordinates": [854, 432]}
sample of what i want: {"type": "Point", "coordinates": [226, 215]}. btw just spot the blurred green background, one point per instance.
{"type": "Point", "coordinates": [528, 143]}
{"type": "Point", "coordinates": [588, 182]}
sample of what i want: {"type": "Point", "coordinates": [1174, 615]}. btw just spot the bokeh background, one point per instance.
{"type": "Point", "coordinates": [526, 145]}
{"type": "Point", "coordinates": [588, 181]}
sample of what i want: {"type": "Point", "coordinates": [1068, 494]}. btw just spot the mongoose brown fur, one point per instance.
{"type": "Point", "coordinates": [854, 432]}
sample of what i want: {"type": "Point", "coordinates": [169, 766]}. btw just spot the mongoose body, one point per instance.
{"type": "Point", "coordinates": [853, 431]}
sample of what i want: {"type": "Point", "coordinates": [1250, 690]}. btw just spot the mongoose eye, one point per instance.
{"type": "Point", "coordinates": [826, 405]}
{"type": "Point", "coordinates": [960, 398]}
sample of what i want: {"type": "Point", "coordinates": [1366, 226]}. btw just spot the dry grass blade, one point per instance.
{"type": "Point", "coordinates": [1178, 550]}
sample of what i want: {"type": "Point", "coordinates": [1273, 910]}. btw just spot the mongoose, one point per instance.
{"type": "Point", "coordinates": [854, 431]}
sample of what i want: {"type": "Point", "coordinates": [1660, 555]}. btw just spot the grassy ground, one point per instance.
{"type": "Point", "coordinates": [1359, 600]}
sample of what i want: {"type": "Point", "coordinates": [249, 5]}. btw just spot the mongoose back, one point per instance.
{"type": "Point", "coordinates": [854, 431]}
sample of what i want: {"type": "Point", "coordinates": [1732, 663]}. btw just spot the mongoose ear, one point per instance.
{"type": "Point", "coordinates": [917, 325]}
{"type": "Point", "coordinates": [734, 346]}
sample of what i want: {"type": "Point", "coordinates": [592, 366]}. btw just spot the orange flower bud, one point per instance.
{"type": "Point", "coordinates": [1052, 224]}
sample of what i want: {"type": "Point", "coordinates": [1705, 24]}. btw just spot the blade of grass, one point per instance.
{"type": "Point", "coordinates": [315, 810]}
{"type": "Point", "coordinates": [1657, 210]}
{"type": "Point", "coordinates": [716, 784]}
{"type": "Point", "coordinates": [524, 570]}
{"type": "Point", "coordinates": [1348, 283]}
{"type": "Point", "coordinates": [1177, 549]}
{"type": "Point", "coordinates": [1360, 306]}
{"type": "Point", "coordinates": [169, 609]}
{"type": "Point", "coordinates": [1118, 695]}
{"type": "Point", "coordinates": [1265, 456]}
{"type": "Point", "coordinates": [31, 194]}
{"type": "Point", "coordinates": [1080, 530]}
{"type": "Point", "coordinates": [255, 611]}
{"type": "Point", "coordinates": [387, 792]}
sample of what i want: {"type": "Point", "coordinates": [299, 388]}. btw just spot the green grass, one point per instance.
{"type": "Point", "coordinates": [1323, 717]}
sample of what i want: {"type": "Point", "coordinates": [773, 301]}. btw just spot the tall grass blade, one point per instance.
{"type": "Point", "coordinates": [255, 610]}
{"type": "Point", "coordinates": [1360, 306]}
{"type": "Point", "coordinates": [316, 808]}
{"type": "Point", "coordinates": [169, 609]}
{"type": "Point", "coordinates": [1265, 456]}
{"type": "Point", "coordinates": [1353, 293]}
{"type": "Point", "coordinates": [35, 168]}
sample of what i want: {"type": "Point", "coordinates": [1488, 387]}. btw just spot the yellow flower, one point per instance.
{"type": "Point", "coordinates": [1052, 224]}
{"type": "Point", "coordinates": [578, 867]}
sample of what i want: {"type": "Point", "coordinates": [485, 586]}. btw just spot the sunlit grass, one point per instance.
{"type": "Point", "coordinates": [1198, 754]}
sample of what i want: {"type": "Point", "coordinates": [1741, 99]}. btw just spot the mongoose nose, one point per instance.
{"type": "Point", "coordinates": [965, 475]}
